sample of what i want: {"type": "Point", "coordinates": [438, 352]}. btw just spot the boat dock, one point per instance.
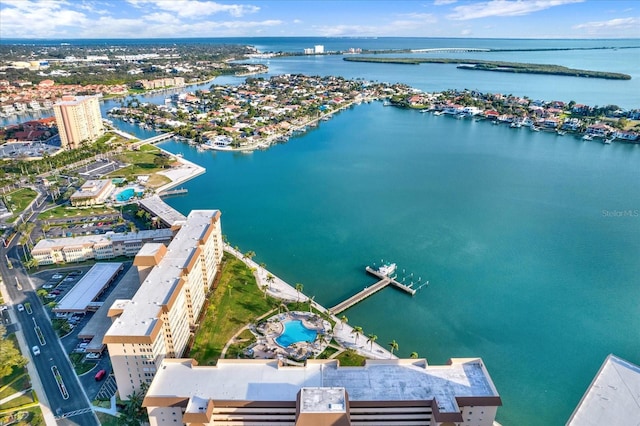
{"type": "Point", "coordinates": [173, 192]}
{"type": "Point", "coordinates": [369, 290]}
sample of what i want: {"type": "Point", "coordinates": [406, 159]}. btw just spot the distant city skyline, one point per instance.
{"type": "Point", "coordinates": [66, 19]}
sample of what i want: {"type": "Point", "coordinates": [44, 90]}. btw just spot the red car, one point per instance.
{"type": "Point", "coordinates": [100, 375]}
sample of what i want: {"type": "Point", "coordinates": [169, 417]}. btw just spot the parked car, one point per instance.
{"type": "Point", "coordinates": [56, 277]}
{"type": "Point", "coordinates": [56, 292]}
{"type": "Point", "coordinates": [20, 307]}
{"type": "Point", "coordinates": [47, 286]}
{"type": "Point", "coordinates": [100, 375]}
{"type": "Point", "coordinates": [35, 350]}
{"type": "Point", "coordinates": [69, 279]}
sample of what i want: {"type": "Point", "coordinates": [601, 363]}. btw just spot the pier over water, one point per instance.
{"type": "Point", "coordinates": [369, 290]}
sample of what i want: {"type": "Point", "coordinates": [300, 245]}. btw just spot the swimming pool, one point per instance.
{"type": "Point", "coordinates": [127, 194]}
{"type": "Point", "coordinates": [295, 331]}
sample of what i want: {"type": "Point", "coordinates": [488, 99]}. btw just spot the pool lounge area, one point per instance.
{"type": "Point", "coordinates": [129, 193]}
{"type": "Point", "coordinates": [295, 335]}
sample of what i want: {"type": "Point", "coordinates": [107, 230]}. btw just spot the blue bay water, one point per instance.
{"type": "Point", "coordinates": [509, 226]}
{"type": "Point", "coordinates": [525, 237]}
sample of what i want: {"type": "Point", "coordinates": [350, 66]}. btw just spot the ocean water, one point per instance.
{"type": "Point", "coordinates": [529, 240]}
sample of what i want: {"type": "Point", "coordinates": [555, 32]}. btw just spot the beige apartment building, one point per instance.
{"type": "Point", "coordinates": [79, 120]}
{"type": "Point", "coordinates": [99, 247]}
{"type": "Point", "coordinates": [92, 192]}
{"type": "Point", "coordinates": [157, 322]}
{"type": "Point", "coordinates": [406, 392]}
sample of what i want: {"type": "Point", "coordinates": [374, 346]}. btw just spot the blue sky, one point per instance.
{"type": "Point", "coordinates": [418, 18]}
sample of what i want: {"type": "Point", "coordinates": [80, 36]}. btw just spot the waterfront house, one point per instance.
{"type": "Point", "coordinates": [598, 130]}
{"type": "Point", "coordinates": [627, 135]}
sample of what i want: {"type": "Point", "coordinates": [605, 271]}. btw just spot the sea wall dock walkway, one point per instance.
{"type": "Point", "coordinates": [369, 290]}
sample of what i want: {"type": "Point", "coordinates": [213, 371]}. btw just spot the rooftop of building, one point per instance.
{"type": "Point", "coordinates": [613, 398]}
{"type": "Point", "coordinates": [91, 188]}
{"type": "Point", "coordinates": [165, 212]}
{"type": "Point", "coordinates": [377, 380]}
{"type": "Point", "coordinates": [100, 322]}
{"type": "Point", "coordinates": [88, 288]}
{"type": "Point", "coordinates": [87, 240]}
{"type": "Point", "coordinates": [74, 100]}
{"type": "Point", "coordinates": [138, 317]}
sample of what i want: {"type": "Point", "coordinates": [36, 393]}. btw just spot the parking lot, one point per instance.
{"type": "Point", "coordinates": [100, 168]}
{"type": "Point", "coordinates": [56, 283]}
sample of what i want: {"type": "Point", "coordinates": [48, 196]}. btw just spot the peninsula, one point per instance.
{"type": "Point", "coordinates": [497, 66]}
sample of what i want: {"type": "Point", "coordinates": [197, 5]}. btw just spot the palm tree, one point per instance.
{"type": "Point", "coordinates": [413, 355]}
{"type": "Point", "coordinates": [393, 345]}
{"type": "Point", "coordinates": [249, 255]}
{"type": "Point", "coordinates": [344, 320]}
{"type": "Point", "coordinates": [262, 265]}
{"type": "Point", "coordinates": [311, 302]}
{"type": "Point", "coordinates": [270, 278]}
{"type": "Point", "coordinates": [265, 287]}
{"type": "Point", "coordinates": [356, 330]}
{"type": "Point", "coordinates": [299, 288]}
{"type": "Point", "coordinates": [371, 340]}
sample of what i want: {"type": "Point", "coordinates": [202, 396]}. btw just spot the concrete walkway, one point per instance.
{"type": "Point", "coordinates": [113, 410]}
{"type": "Point", "coordinates": [14, 396]}
{"type": "Point", "coordinates": [342, 333]}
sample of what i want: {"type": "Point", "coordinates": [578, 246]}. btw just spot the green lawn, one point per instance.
{"type": "Point", "coordinates": [107, 419]}
{"type": "Point", "coordinates": [140, 162]}
{"type": "Point", "coordinates": [235, 303]}
{"type": "Point", "coordinates": [79, 365]}
{"type": "Point", "coordinates": [18, 200]}
{"type": "Point", "coordinates": [350, 358]}
{"type": "Point", "coordinates": [33, 418]}
{"type": "Point", "coordinates": [17, 381]}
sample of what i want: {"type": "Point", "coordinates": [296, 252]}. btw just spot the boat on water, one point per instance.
{"type": "Point", "coordinates": [438, 113]}
{"type": "Point", "coordinates": [387, 269]}
{"type": "Point", "coordinates": [535, 129]}
{"type": "Point", "coordinates": [607, 141]}
{"type": "Point", "coordinates": [561, 132]}
{"type": "Point", "coordinates": [424, 110]}
{"type": "Point", "coordinates": [587, 138]}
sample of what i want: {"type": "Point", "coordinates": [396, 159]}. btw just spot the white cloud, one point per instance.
{"type": "Point", "coordinates": [39, 19]}
{"type": "Point", "coordinates": [196, 8]}
{"type": "Point", "coordinates": [466, 32]}
{"type": "Point", "coordinates": [443, 2]}
{"type": "Point", "coordinates": [631, 25]}
{"type": "Point", "coordinates": [422, 17]}
{"type": "Point", "coordinates": [504, 8]}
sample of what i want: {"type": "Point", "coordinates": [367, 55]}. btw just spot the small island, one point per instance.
{"type": "Point", "coordinates": [497, 66]}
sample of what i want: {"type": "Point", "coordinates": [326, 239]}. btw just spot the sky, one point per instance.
{"type": "Point", "coordinates": [73, 19]}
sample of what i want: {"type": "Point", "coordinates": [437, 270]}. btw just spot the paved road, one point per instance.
{"type": "Point", "coordinates": [20, 290]}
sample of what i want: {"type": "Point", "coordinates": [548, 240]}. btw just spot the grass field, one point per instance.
{"type": "Point", "coordinates": [350, 358]}
{"type": "Point", "coordinates": [18, 200]}
{"type": "Point", "coordinates": [236, 302]}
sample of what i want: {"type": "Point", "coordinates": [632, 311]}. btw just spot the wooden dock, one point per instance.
{"type": "Point", "coordinates": [369, 290]}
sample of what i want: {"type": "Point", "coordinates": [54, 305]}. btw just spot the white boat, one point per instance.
{"type": "Point", "coordinates": [387, 269]}
{"type": "Point", "coordinates": [587, 138]}
{"type": "Point", "coordinates": [561, 133]}
{"type": "Point", "coordinates": [607, 141]}
{"type": "Point", "coordinates": [438, 113]}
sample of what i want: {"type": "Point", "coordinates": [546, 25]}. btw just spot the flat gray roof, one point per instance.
{"type": "Point", "coordinates": [613, 398]}
{"type": "Point", "coordinates": [100, 322]}
{"type": "Point", "coordinates": [88, 288]}
{"type": "Point", "coordinates": [151, 234]}
{"type": "Point", "coordinates": [167, 214]}
{"type": "Point", "coordinates": [377, 380]}
{"type": "Point", "coordinates": [139, 317]}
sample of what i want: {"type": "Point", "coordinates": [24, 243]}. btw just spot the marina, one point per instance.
{"type": "Point", "coordinates": [384, 275]}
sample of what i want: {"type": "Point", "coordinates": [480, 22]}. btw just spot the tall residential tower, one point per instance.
{"type": "Point", "coordinates": [78, 119]}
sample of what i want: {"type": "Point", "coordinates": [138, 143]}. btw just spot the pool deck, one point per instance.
{"type": "Point", "coordinates": [342, 333]}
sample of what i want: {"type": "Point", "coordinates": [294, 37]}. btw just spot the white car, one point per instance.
{"type": "Point", "coordinates": [56, 277]}
{"type": "Point", "coordinates": [20, 307]}
{"type": "Point", "coordinates": [35, 350]}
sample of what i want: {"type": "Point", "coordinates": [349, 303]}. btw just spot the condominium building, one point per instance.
{"type": "Point", "coordinates": [403, 392]}
{"type": "Point", "coordinates": [157, 322]}
{"type": "Point", "coordinates": [79, 120]}
{"type": "Point", "coordinates": [99, 247]}
{"type": "Point", "coordinates": [92, 192]}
